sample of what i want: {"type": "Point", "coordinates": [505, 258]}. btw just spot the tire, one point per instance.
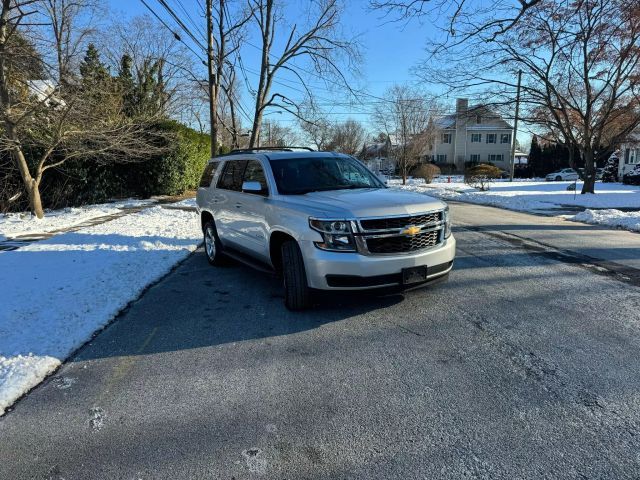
{"type": "Point", "coordinates": [558, 178]}
{"type": "Point", "coordinates": [297, 294]}
{"type": "Point", "coordinates": [212, 245]}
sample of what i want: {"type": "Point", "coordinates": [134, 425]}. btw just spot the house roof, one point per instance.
{"type": "Point", "coordinates": [448, 121]}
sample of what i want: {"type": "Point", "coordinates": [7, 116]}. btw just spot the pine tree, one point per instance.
{"type": "Point", "coordinates": [610, 173]}
{"type": "Point", "coordinates": [127, 85]}
{"type": "Point", "coordinates": [92, 69]}
{"type": "Point", "coordinates": [535, 157]}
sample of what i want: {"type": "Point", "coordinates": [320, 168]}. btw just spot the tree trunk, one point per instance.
{"type": "Point", "coordinates": [34, 199]}
{"type": "Point", "coordinates": [589, 172]}
{"type": "Point", "coordinates": [572, 162]}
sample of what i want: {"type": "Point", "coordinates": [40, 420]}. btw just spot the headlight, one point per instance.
{"type": "Point", "coordinates": [336, 234]}
{"type": "Point", "coordinates": [447, 222]}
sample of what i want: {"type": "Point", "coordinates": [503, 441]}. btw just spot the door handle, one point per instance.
{"type": "Point", "coordinates": [238, 205]}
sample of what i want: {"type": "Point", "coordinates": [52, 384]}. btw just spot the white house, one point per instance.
{"type": "Point", "coordinates": [629, 155]}
{"type": "Point", "coordinates": [472, 134]}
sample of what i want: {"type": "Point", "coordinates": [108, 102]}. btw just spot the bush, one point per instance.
{"type": "Point", "coordinates": [428, 171]}
{"type": "Point", "coordinates": [448, 168]}
{"type": "Point", "coordinates": [481, 175]}
{"type": "Point", "coordinates": [177, 170]}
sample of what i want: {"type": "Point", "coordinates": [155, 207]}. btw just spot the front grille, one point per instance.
{"type": "Point", "coordinates": [400, 222]}
{"type": "Point", "coordinates": [402, 244]}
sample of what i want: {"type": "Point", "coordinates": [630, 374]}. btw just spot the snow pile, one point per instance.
{"type": "Point", "coordinates": [16, 224]}
{"type": "Point", "coordinates": [56, 293]}
{"type": "Point", "coordinates": [610, 217]}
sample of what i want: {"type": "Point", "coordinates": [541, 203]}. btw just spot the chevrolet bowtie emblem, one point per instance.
{"type": "Point", "coordinates": [411, 231]}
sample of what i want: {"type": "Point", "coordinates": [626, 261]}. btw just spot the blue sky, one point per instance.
{"type": "Point", "coordinates": [389, 51]}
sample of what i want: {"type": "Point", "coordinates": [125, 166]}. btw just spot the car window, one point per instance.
{"type": "Point", "coordinates": [255, 173]}
{"type": "Point", "coordinates": [297, 176]}
{"type": "Point", "coordinates": [231, 177]}
{"type": "Point", "coordinates": [207, 175]}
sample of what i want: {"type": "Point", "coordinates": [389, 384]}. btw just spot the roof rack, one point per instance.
{"type": "Point", "coordinates": [271, 149]}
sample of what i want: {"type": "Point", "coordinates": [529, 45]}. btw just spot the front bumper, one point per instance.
{"type": "Point", "coordinates": [353, 271]}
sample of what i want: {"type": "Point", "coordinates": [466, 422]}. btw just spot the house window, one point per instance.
{"type": "Point", "coordinates": [478, 119]}
{"type": "Point", "coordinates": [633, 157]}
{"type": "Point", "coordinates": [505, 138]}
{"type": "Point", "coordinates": [476, 137]}
{"type": "Point", "coordinates": [496, 158]}
{"type": "Point", "coordinates": [626, 155]}
{"type": "Point", "coordinates": [474, 157]}
{"type": "Point", "coordinates": [441, 158]}
{"type": "Point", "coordinates": [491, 138]}
{"type": "Point", "coordinates": [446, 138]}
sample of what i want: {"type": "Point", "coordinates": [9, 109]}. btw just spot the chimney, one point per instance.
{"type": "Point", "coordinates": [462, 104]}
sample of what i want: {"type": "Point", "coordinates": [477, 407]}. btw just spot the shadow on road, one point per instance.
{"type": "Point", "coordinates": [202, 306]}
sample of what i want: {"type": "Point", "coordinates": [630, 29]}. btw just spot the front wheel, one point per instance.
{"type": "Point", "coordinates": [558, 178]}
{"type": "Point", "coordinates": [212, 245]}
{"type": "Point", "coordinates": [297, 295]}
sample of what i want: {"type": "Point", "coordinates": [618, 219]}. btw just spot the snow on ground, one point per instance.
{"type": "Point", "coordinates": [611, 218]}
{"type": "Point", "coordinates": [16, 224]}
{"type": "Point", "coordinates": [537, 196]}
{"type": "Point", "coordinates": [187, 202]}
{"type": "Point", "coordinates": [56, 293]}
{"type": "Point", "coordinates": [531, 195]}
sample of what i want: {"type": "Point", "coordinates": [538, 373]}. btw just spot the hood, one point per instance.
{"type": "Point", "coordinates": [370, 202]}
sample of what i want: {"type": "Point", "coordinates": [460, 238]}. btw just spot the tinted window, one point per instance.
{"type": "Point", "coordinates": [255, 173]}
{"type": "Point", "coordinates": [231, 177]}
{"type": "Point", "coordinates": [296, 176]}
{"type": "Point", "coordinates": [207, 175]}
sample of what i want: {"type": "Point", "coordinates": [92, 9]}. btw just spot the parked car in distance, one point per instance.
{"type": "Point", "coordinates": [565, 174]}
{"type": "Point", "coordinates": [633, 177]}
{"type": "Point", "coordinates": [322, 221]}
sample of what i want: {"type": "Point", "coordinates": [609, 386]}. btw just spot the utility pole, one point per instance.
{"type": "Point", "coordinates": [213, 94]}
{"type": "Point", "coordinates": [515, 127]}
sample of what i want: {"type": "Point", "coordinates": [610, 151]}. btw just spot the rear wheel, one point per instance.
{"type": "Point", "coordinates": [212, 245]}
{"type": "Point", "coordinates": [297, 294]}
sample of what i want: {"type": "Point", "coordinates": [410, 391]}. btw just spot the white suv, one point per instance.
{"type": "Point", "coordinates": [323, 221]}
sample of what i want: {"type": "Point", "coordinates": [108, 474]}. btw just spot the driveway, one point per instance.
{"type": "Point", "coordinates": [524, 365]}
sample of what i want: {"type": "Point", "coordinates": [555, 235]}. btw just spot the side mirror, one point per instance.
{"type": "Point", "coordinates": [251, 187]}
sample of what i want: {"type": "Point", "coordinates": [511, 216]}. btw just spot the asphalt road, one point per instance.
{"type": "Point", "coordinates": [521, 366]}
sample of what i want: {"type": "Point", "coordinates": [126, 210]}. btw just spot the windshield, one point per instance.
{"type": "Point", "coordinates": [296, 176]}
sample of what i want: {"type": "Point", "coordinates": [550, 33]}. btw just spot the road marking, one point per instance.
{"type": "Point", "coordinates": [123, 367]}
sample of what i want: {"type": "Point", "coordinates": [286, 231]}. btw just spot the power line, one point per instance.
{"type": "Point", "coordinates": [193, 23]}
{"type": "Point", "coordinates": [175, 34]}
{"type": "Point", "coordinates": [181, 24]}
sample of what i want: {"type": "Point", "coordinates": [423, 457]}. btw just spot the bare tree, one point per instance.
{"type": "Point", "coordinates": [580, 71]}
{"type": "Point", "coordinates": [278, 135]}
{"type": "Point", "coordinates": [223, 35]}
{"type": "Point", "coordinates": [463, 16]}
{"type": "Point", "coordinates": [405, 119]}
{"type": "Point", "coordinates": [86, 123]}
{"type": "Point", "coordinates": [320, 43]}
{"type": "Point", "coordinates": [315, 127]}
{"type": "Point", "coordinates": [72, 23]}
{"type": "Point", "coordinates": [347, 137]}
